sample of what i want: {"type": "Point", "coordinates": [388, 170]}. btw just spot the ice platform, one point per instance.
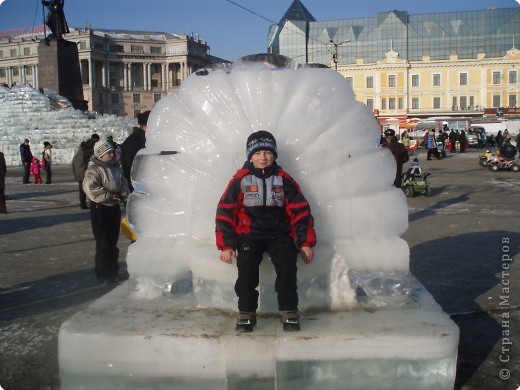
{"type": "Point", "coordinates": [169, 343]}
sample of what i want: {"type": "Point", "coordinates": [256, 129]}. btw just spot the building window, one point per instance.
{"type": "Point", "coordinates": [156, 49]}
{"type": "Point", "coordinates": [2, 72]}
{"type": "Point", "coordinates": [12, 52]}
{"type": "Point", "coordinates": [512, 77]}
{"type": "Point", "coordinates": [383, 104]}
{"type": "Point", "coordinates": [155, 83]}
{"type": "Point", "coordinates": [117, 49]}
{"type": "Point", "coordinates": [26, 51]}
{"type": "Point", "coordinates": [472, 102]}
{"type": "Point", "coordinates": [454, 105]}
{"type": "Point", "coordinates": [82, 45]}
{"type": "Point", "coordinates": [28, 70]}
{"type": "Point", "coordinates": [415, 80]}
{"type": "Point", "coordinates": [415, 103]}
{"type": "Point", "coordinates": [391, 103]}
{"type": "Point", "coordinates": [370, 104]}
{"type": "Point", "coordinates": [156, 97]}
{"type": "Point", "coordinates": [16, 72]}
{"type": "Point", "coordinates": [496, 101]}
{"type": "Point", "coordinates": [436, 80]}
{"type": "Point", "coordinates": [350, 81]}
{"type": "Point", "coordinates": [370, 81]}
{"type": "Point", "coordinates": [400, 102]}
{"type": "Point", "coordinates": [496, 78]}
{"type": "Point", "coordinates": [137, 98]}
{"type": "Point", "coordinates": [174, 49]}
{"type": "Point", "coordinates": [512, 101]}
{"type": "Point", "coordinates": [114, 98]}
{"type": "Point", "coordinates": [391, 81]}
{"type": "Point", "coordinates": [463, 102]}
{"type": "Point", "coordinates": [463, 79]}
{"type": "Point", "coordinates": [1, 54]}
{"type": "Point", "coordinates": [436, 102]}
{"type": "Point", "coordinates": [137, 49]}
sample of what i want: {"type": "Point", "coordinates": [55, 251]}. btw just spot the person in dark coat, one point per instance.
{"type": "Point", "coordinates": [399, 152]}
{"type": "Point", "coordinates": [263, 210]}
{"type": "Point", "coordinates": [3, 172]}
{"type": "Point", "coordinates": [463, 141]}
{"type": "Point", "coordinates": [453, 141]}
{"type": "Point", "coordinates": [134, 143]}
{"type": "Point", "coordinates": [27, 157]}
{"type": "Point", "coordinates": [80, 163]}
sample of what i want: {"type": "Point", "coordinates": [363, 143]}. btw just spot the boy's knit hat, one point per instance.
{"type": "Point", "coordinates": [260, 140]}
{"type": "Point", "coordinates": [102, 147]}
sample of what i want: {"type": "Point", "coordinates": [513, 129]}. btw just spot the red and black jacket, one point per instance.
{"type": "Point", "coordinates": [263, 204]}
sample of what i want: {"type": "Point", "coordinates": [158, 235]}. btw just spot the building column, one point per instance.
{"type": "Point", "coordinates": [146, 76]}
{"type": "Point", "coordinates": [130, 86]}
{"type": "Point", "coordinates": [92, 72]}
{"type": "Point", "coordinates": [9, 76]}
{"type": "Point", "coordinates": [164, 77]}
{"type": "Point", "coordinates": [104, 74]}
{"type": "Point", "coordinates": [21, 72]}
{"type": "Point", "coordinates": [125, 76]}
{"type": "Point", "coordinates": [35, 73]}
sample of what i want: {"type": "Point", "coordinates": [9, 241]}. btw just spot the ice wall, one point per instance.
{"type": "Point", "coordinates": [27, 113]}
{"type": "Point", "coordinates": [326, 140]}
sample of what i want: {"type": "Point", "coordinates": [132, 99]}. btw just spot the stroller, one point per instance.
{"type": "Point", "coordinates": [414, 181]}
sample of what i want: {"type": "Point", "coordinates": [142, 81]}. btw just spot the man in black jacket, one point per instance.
{"type": "Point", "coordinates": [26, 156]}
{"type": "Point", "coordinates": [134, 143]}
{"type": "Point", "coordinates": [400, 154]}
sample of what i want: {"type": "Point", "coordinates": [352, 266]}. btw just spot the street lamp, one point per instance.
{"type": "Point", "coordinates": [335, 55]}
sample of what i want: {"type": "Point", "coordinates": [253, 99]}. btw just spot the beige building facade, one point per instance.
{"type": "Point", "coordinates": [123, 72]}
{"type": "Point", "coordinates": [463, 87]}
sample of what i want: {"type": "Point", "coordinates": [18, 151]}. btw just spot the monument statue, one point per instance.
{"type": "Point", "coordinates": [56, 18]}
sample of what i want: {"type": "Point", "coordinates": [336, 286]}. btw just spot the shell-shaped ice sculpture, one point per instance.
{"type": "Point", "coordinates": [326, 140]}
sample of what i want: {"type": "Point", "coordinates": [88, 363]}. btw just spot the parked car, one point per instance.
{"type": "Point", "coordinates": [473, 133]}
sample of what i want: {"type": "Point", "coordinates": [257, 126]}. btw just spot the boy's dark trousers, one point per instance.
{"type": "Point", "coordinates": [106, 222]}
{"type": "Point", "coordinates": [283, 255]}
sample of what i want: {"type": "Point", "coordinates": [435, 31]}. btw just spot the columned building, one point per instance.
{"type": "Point", "coordinates": [407, 66]}
{"type": "Point", "coordinates": [123, 72]}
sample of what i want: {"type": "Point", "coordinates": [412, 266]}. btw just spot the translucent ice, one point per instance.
{"type": "Point", "coordinates": [326, 140]}
{"type": "Point", "coordinates": [373, 324]}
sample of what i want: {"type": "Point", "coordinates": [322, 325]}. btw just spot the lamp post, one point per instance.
{"type": "Point", "coordinates": [335, 55]}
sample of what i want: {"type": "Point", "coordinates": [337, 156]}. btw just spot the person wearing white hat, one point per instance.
{"type": "Point", "coordinates": [106, 187]}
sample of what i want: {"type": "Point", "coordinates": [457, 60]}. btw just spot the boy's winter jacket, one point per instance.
{"type": "Point", "coordinates": [103, 180]}
{"type": "Point", "coordinates": [263, 204]}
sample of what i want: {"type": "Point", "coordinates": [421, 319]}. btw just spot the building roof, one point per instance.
{"type": "Point", "coordinates": [297, 11]}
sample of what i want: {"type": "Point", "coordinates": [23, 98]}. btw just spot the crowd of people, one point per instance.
{"type": "Point", "coordinates": [102, 169]}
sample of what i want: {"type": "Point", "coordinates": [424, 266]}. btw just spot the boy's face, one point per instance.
{"type": "Point", "coordinates": [108, 156]}
{"type": "Point", "coordinates": [262, 159]}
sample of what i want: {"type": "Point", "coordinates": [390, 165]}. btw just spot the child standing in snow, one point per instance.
{"type": "Point", "coordinates": [264, 210]}
{"type": "Point", "coordinates": [35, 170]}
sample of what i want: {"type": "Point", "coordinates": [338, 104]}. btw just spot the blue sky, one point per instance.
{"type": "Point", "coordinates": [230, 31]}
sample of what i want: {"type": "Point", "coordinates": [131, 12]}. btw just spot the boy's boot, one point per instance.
{"type": "Point", "coordinates": [245, 322]}
{"type": "Point", "coordinates": [290, 321]}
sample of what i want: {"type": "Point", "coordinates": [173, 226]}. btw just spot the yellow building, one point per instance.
{"type": "Point", "coordinates": [413, 66]}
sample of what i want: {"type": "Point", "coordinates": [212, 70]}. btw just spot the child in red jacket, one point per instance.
{"type": "Point", "coordinates": [264, 210]}
{"type": "Point", "coordinates": [35, 170]}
